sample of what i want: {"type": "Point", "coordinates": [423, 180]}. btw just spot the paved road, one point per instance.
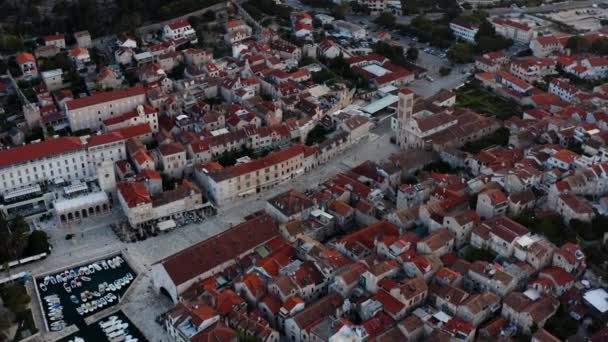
{"type": "Point", "coordinates": [546, 8]}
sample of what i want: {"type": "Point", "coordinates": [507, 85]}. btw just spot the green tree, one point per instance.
{"type": "Point", "coordinates": [13, 238]}
{"type": "Point", "coordinates": [340, 11]}
{"type": "Point", "coordinates": [472, 254]}
{"type": "Point", "coordinates": [359, 8]}
{"type": "Point", "coordinates": [562, 325]}
{"type": "Point", "coordinates": [444, 71]}
{"type": "Point", "coordinates": [486, 38]}
{"type": "Point", "coordinates": [386, 19]}
{"type": "Point", "coordinates": [15, 297]}
{"type": "Point", "coordinates": [600, 46]}
{"type": "Point", "coordinates": [461, 53]}
{"type": "Point", "coordinates": [316, 135]}
{"type": "Point", "coordinates": [10, 43]}
{"type": "Point", "coordinates": [577, 44]}
{"type": "Point", "coordinates": [412, 54]}
{"type": "Point", "coordinates": [177, 73]}
{"type": "Point", "coordinates": [38, 242]}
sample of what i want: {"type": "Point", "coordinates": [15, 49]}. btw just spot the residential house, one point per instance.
{"type": "Point", "coordinates": [527, 310]}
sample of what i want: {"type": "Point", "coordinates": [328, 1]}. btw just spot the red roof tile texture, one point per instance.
{"type": "Point", "coordinates": [39, 150]}
{"type": "Point", "coordinates": [208, 254]}
{"type": "Point", "coordinates": [102, 97]}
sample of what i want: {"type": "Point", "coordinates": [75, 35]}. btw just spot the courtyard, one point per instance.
{"type": "Point", "coordinates": [484, 101]}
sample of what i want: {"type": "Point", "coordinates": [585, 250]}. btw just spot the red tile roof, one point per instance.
{"type": "Point", "coordinates": [179, 24]}
{"type": "Point", "coordinates": [120, 134]}
{"type": "Point", "coordinates": [389, 303]}
{"type": "Point", "coordinates": [516, 24]}
{"type": "Point", "coordinates": [291, 303]}
{"type": "Point", "coordinates": [169, 149]}
{"type": "Point", "coordinates": [134, 194]}
{"type": "Point", "coordinates": [258, 164]}
{"type": "Point", "coordinates": [53, 37]}
{"type": "Point", "coordinates": [39, 150]}
{"type": "Point", "coordinates": [148, 174]}
{"type": "Point", "coordinates": [102, 97]}
{"type": "Point", "coordinates": [558, 275]}
{"type": "Point", "coordinates": [208, 254]}
{"type": "Point", "coordinates": [25, 57]}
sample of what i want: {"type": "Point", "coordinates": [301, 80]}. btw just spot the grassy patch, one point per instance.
{"type": "Point", "coordinates": [483, 101]}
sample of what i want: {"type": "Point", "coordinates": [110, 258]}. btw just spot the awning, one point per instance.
{"type": "Point", "coordinates": [248, 192]}
{"type": "Point", "coordinates": [164, 225]}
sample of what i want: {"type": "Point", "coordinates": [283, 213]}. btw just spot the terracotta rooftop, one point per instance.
{"type": "Point", "coordinates": [102, 97]}
{"type": "Point", "coordinates": [29, 152]}
{"type": "Point", "coordinates": [205, 255]}
{"type": "Point", "coordinates": [134, 194]}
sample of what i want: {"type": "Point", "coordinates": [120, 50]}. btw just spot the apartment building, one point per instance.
{"type": "Point", "coordinates": [180, 30]}
{"type": "Point", "coordinates": [173, 159]}
{"type": "Point", "coordinates": [520, 32]}
{"type": "Point", "coordinates": [90, 111]}
{"type": "Point", "coordinates": [48, 161]}
{"type": "Point", "coordinates": [144, 209]}
{"type": "Point", "coordinates": [464, 30]}
{"type": "Point", "coordinates": [142, 114]}
{"type": "Point", "coordinates": [226, 184]}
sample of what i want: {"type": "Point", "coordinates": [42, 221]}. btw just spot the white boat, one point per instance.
{"type": "Point", "coordinates": [78, 339]}
{"type": "Point", "coordinates": [46, 280]}
{"type": "Point", "coordinates": [115, 334]}
{"type": "Point", "coordinates": [91, 269]}
{"type": "Point", "coordinates": [85, 278]}
{"type": "Point", "coordinates": [110, 321]}
{"type": "Point", "coordinates": [104, 264]}
{"type": "Point", "coordinates": [53, 280]}
{"type": "Point", "coordinates": [97, 267]}
{"type": "Point", "coordinates": [80, 310]}
{"type": "Point", "coordinates": [72, 274]}
{"type": "Point", "coordinates": [130, 338]}
{"type": "Point", "coordinates": [67, 287]}
{"type": "Point", "coordinates": [73, 284]}
{"type": "Point", "coordinates": [111, 264]}
{"type": "Point", "coordinates": [57, 326]}
{"type": "Point", "coordinates": [52, 298]}
{"type": "Point", "coordinates": [112, 287]}
{"type": "Point", "coordinates": [129, 276]}
{"type": "Point", "coordinates": [43, 287]}
{"type": "Point", "coordinates": [78, 282]}
{"type": "Point", "coordinates": [58, 278]}
{"type": "Point", "coordinates": [112, 326]}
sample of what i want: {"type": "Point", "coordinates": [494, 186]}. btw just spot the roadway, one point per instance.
{"type": "Point", "coordinates": [545, 8]}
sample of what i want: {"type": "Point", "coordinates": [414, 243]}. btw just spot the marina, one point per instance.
{"type": "Point", "coordinates": [114, 328]}
{"type": "Point", "coordinates": [73, 294]}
